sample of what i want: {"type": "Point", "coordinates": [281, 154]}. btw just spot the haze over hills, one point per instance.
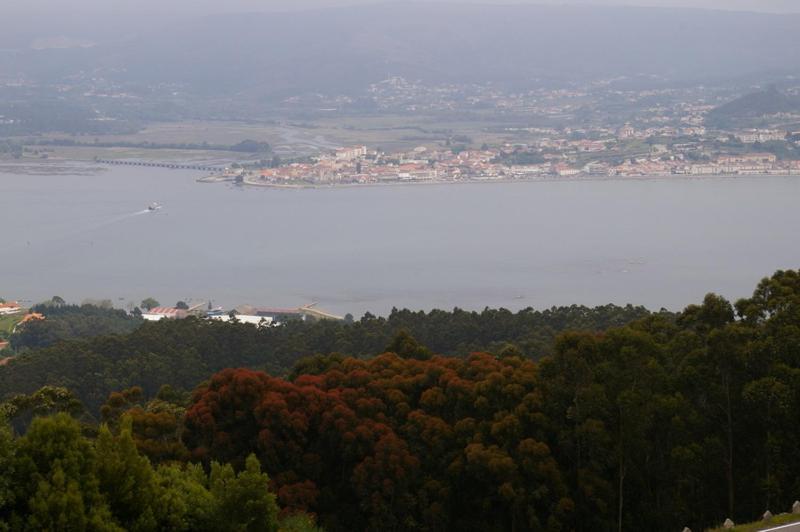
{"type": "Point", "coordinates": [346, 48]}
{"type": "Point", "coordinates": [205, 7]}
{"type": "Point", "coordinates": [752, 106]}
{"type": "Point", "coordinates": [412, 246]}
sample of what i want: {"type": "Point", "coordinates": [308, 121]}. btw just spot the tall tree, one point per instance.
{"type": "Point", "coordinates": [243, 501]}
{"type": "Point", "coordinates": [55, 475]}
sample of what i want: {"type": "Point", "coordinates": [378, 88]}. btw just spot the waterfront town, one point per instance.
{"type": "Point", "coordinates": [595, 131]}
{"type": "Point", "coordinates": [399, 130]}
{"type": "Point", "coordinates": [626, 152]}
{"type": "Point", "coordinates": [403, 131]}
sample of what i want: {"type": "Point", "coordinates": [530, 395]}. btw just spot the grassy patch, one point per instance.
{"type": "Point", "coordinates": [778, 520]}
{"type": "Point", "coordinates": [7, 324]}
{"type": "Point", "coordinates": [292, 138]}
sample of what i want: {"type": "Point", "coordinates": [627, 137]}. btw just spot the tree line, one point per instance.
{"type": "Point", "coordinates": [656, 425]}
{"type": "Point", "coordinates": [64, 322]}
{"type": "Point", "coordinates": [182, 353]}
{"type": "Point", "coordinates": [653, 423]}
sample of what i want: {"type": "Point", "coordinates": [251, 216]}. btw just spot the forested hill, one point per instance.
{"type": "Point", "coordinates": [184, 353]}
{"type": "Point", "coordinates": [665, 422]}
{"type": "Point", "coordinates": [64, 322]}
{"type": "Point", "coordinates": [653, 426]}
{"type": "Point", "coordinates": [746, 110]}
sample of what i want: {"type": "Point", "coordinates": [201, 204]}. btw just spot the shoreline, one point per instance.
{"type": "Point", "coordinates": [549, 179]}
{"type": "Point", "coordinates": [56, 167]}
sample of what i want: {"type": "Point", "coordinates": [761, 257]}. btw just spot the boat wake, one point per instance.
{"type": "Point", "coordinates": [77, 235]}
{"type": "Point", "coordinates": [124, 217]}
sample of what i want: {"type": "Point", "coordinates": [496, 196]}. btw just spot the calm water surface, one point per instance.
{"type": "Point", "coordinates": [660, 243]}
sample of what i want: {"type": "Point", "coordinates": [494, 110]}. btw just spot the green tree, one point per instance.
{"type": "Point", "coordinates": [772, 399]}
{"type": "Point", "coordinates": [243, 501]}
{"type": "Point", "coordinates": [187, 503]}
{"type": "Point", "coordinates": [405, 346]}
{"type": "Point", "coordinates": [63, 322]}
{"type": "Point", "coordinates": [126, 479]}
{"type": "Point", "coordinates": [47, 400]}
{"type": "Point", "coordinates": [149, 303]}
{"type": "Point", "coordinates": [573, 392]}
{"type": "Point", "coordinates": [298, 522]}
{"type": "Point", "coordinates": [7, 488]}
{"type": "Point", "coordinates": [56, 480]}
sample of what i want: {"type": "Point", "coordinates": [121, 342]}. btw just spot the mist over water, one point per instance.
{"type": "Point", "coordinates": [652, 242]}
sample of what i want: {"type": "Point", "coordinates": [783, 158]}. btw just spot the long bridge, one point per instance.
{"type": "Point", "coordinates": [171, 166]}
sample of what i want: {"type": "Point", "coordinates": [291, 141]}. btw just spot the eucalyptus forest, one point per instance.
{"type": "Point", "coordinates": [574, 418]}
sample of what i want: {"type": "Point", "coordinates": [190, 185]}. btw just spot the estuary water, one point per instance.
{"type": "Point", "coordinates": [656, 242]}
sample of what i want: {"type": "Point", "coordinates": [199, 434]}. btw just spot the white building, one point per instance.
{"type": "Point", "coordinates": [760, 135]}
{"type": "Point", "coordinates": [351, 154]}
{"type": "Point", "coordinates": [626, 132]}
{"type": "Point", "coordinates": [164, 313]}
{"type": "Point", "coordinates": [7, 309]}
{"type": "Point", "coordinates": [258, 321]}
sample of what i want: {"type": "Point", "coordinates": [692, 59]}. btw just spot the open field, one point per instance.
{"type": "Point", "coordinates": [402, 132]}
{"type": "Point", "coordinates": [50, 167]}
{"type": "Point", "coordinates": [287, 138]}
{"type": "Point", "coordinates": [7, 324]}
{"type": "Point", "coordinates": [88, 153]}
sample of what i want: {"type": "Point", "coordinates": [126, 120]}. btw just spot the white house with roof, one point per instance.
{"type": "Point", "coordinates": [164, 313]}
{"type": "Point", "coordinates": [7, 309]}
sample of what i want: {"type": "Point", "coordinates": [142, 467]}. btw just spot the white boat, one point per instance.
{"type": "Point", "coordinates": [153, 207]}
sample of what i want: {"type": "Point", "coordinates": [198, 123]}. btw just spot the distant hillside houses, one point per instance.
{"type": "Point", "coordinates": [760, 135]}
{"type": "Point", "coordinates": [743, 164]}
{"type": "Point", "coordinates": [164, 313]}
{"type": "Point", "coordinates": [10, 308]}
{"type": "Point", "coordinates": [748, 158]}
{"type": "Point", "coordinates": [350, 154]}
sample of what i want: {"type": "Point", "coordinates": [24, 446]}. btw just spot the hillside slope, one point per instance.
{"type": "Point", "coordinates": [342, 49]}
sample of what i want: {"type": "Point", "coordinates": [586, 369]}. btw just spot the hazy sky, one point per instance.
{"type": "Point", "coordinates": [43, 7]}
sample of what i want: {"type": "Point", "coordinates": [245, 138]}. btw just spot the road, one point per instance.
{"type": "Point", "coordinates": [792, 527]}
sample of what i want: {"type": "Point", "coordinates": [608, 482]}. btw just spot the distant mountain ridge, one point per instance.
{"type": "Point", "coordinates": [342, 49]}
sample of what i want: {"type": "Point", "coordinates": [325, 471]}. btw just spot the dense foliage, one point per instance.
{"type": "Point", "coordinates": [392, 443]}
{"type": "Point", "coordinates": [184, 353]}
{"type": "Point", "coordinates": [651, 426]}
{"type": "Point", "coordinates": [661, 422]}
{"type": "Point", "coordinates": [63, 322]}
{"type": "Point", "coordinates": [55, 478]}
